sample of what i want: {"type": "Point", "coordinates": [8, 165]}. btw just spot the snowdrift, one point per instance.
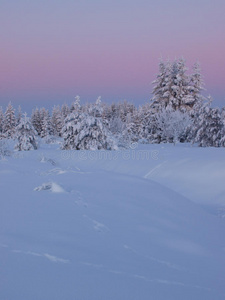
{"type": "Point", "coordinates": [108, 233]}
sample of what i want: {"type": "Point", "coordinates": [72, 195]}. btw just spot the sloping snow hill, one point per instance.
{"type": "Point", "coordinates": [75, 230]}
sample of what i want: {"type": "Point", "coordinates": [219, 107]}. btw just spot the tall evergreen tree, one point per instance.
{"type": "Point", "coordinates": [36, 120]}
{"type": "Point", "coordinates": [175, 89]}
{"type": "Point", "coordinates": [64, 111]}
{"type": "Point", "coordinates": [9, 121]}
{"type": "Point", "coordinates": [1, 121]}
{"type": "Point", "coordinates": [19, 115]}
{"type": "Point", "coordinates": [72, 125]}
{"type": "Point", "coordinates": [46, 126]}
{"type": "Point", "coordinates": [57, 121]}
{"type": "Point", "coordinates": [160, 86]}
{"type": "Point", "coordinates": [222, 141]}
{"type": "Point", "coordinates": [197, 85]}
{"type": "Point", "coordinates": [71, 129]}
{"type": "Point", "coordinates": [26, 135]}
{"type": "Point", "coordinates": [76, 104]}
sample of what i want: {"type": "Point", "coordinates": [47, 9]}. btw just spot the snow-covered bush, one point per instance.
{"type": "Point", "coordinates": [119, 131]}
{"type": "Point", "coordinates": [172, 126]}
{"type": "Point", "coordinates": [26, 135]}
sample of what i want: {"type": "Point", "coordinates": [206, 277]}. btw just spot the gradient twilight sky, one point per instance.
{"type": "Point", "coordinates": [53, 50]}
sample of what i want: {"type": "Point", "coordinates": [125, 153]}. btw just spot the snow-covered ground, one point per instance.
{"type": "Point", "coordinates": [145, 223]}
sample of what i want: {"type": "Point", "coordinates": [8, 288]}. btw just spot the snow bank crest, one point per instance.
{"type": "Point", "coordinates": [51, 186]}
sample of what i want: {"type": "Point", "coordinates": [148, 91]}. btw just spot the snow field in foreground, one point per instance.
{"type": "Point", "coordinates": [123, 228]}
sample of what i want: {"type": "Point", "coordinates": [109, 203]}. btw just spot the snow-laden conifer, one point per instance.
{"type": "Point", "coordinates": [196, 87]}
{"type": "Point", "coordinates": [1, 122]}
{"type": "Point", "coordinates": [175, 89]}
{"type": "Point", "coordinates": [76, 105]}
{"type": "Point", "coordinates": [57, 121]}
{"type": "Point", "coordinates": [87, 131]}
{"type": "Point", "coordinates": [46, 126]}
{"type": "Point", "coordinates": [209, 130]}
{"type": "Point", "coordinates": [26, 135]}
{"type": "Point", "coordinates": [36, 120]}
{"type": "Point", "coordinates": [19, 115]}
{"type": "Point", "coordinates": [9, 124]}
{"type": "Point", "coordinates": [71, 129]}
{"type": "Point", "coordinates": [94, 133]}
{"type": "Point", "coordinates": [65, 110]}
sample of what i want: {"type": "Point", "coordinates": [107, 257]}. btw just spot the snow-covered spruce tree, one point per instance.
{"type": "Point", "coordinates": [182, 98]}
{"type": "Point", "coordinates": [36, 120]}
{"type": "Point", "coordinates": [65, 111]}
{"type": "Point", "coordinates": [71, 129]}
{"type": "Point", "coordinates": [57, 121]}
{"type": "Point", "coordinates": [116, 126]}
{"type": "Point", "coordinates": [175, 90]}
{"type": "Point", "coordinates": [75, 105]}
{"type": "Point", "coordinates": [9, 122]}
{"type": "Point", "coordinates": [46, 126]}
{"type": "Point", "coordinates": [122, 121]}
{"type": "Point", "coordinates": [222, 141]}
{"type": "Point", "coordinates": [124, 109]}
{"type": "Point", "coordinates": [169, 91]}
{"type": "Point", "coordinates": [72, 125]}
{"type": "Point", "coordinates": [196, 86]}
{"type": "Point", "coordinates": [172, 87]}
{"type": "Point", "coordinates": [119, 131]}
{"type": "Point", "coordinates": [160, 86]}
{"type": "Point", "coordinates": [1, 122]}
{"type": "Point", "coordinates": [145, 113]}
{"type": "Point", "coordinates": [19, 115]}
{"type": "Point", "coordinates": [134, 126]}
{"type": "Point", "coordinates": [26, 135]}
{"type": "Point", "coordinates": [84, 131]}
{"type": "Point", "coordinates": [65, 121]}
{"type": "Point", "coordinates": [94, 133]}
{"type": "Point", "coordinates": [210, 129]}
{"type": "Point", "coordinates": [96, 109]}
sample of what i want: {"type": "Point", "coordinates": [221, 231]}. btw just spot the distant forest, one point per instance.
{"type": "Point", "coordinates": [178, 112]}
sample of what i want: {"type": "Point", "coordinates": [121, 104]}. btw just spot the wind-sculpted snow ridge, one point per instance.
{"type": "Point", "coordinates": [111, 234]}
{"type": "Point", "coordinates": [52, 186]}
{"type": "Point", "coordinates": [196, 173]}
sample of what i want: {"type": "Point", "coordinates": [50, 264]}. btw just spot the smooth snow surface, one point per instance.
{"type": "Point", "coordinates": [113, 225]}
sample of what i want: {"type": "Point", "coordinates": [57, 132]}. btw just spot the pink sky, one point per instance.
{"type": "Point", "coordinates": [54, 50]}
